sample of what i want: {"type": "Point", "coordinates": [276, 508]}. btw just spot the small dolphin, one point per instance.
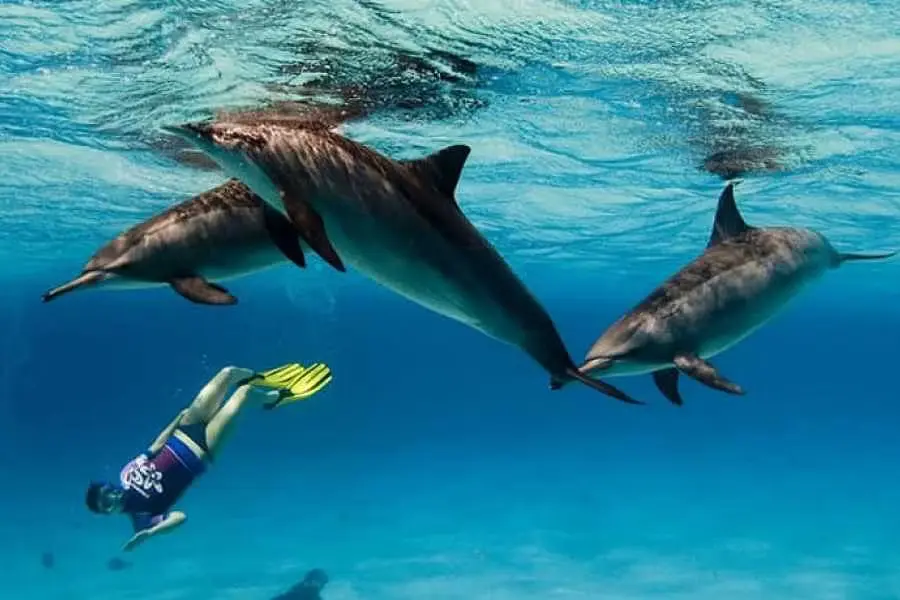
{"type": "Point", "coordinates": [745, 277]}
{"type": "Point", "coordinates": [223, 233]}
{"type": "Point", "coordinates": [396, 221]}
{"type": "Point", "coordinates": [117, 564]}
{"type": "Point", "coordinates": [308, 589]}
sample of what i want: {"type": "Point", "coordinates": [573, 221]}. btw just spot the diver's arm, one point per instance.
{"type": "Point", "coordinates": [172, 520]}
{"type": "Point", "coordinates": [160, 440]}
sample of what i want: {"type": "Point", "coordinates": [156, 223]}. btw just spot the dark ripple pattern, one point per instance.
{"type": "Point", "coordinates": [594, 125]}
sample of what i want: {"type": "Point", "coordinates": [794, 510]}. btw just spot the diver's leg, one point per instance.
{"type": "Point", "coordinates": [223, 422]}
{"type": "Point", "coordinates": [209, 401]}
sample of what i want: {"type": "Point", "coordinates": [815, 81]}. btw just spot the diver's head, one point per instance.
{"type": "Point", "coordinates": [104, 498]}
{"type": "Point", "coordinates": [316, 579]}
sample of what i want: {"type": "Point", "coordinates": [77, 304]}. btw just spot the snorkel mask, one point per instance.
{"type": "Point", "coordinates": [105, 498]}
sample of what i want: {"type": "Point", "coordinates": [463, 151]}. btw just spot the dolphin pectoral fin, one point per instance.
{"type": "Point", "coordinates": [85, 279]}
{"type": "Point", "coordinates": [311, 228]}
{"type": "Point", "coordinates": [196, 289]}
{"type": "Point", "coordinates": [851, 257]}
{"type": "Point", "coordinates": [666, 381]}
{"type": "Point", "coordinates": [695, 367]}
{"type": "Point", "coordinates": [597, 384]}
{"type": "Point", "coordinates": [283, 235]}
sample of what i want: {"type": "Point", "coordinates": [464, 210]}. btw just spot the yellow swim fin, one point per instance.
{"type": "Point", "coordinates": [302, 386]}
{"type": "Point", "coordinates": [279, 377]}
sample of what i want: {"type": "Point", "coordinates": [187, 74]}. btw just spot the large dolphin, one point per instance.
{"type": "Point", "coordinates": [223, 233]}
{"type": "Point", "coordinates": [745, 276]}
{"type": "Point", "coordinates": [395, 221]}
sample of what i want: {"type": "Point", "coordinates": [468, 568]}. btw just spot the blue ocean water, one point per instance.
{"type": "Point", "coordinates": [437, 465]}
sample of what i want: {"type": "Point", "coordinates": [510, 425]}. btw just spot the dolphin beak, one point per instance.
{"type": "Point", "coordinates": [593, 365]}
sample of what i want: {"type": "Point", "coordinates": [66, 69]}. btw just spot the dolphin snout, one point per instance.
{"type": "Point", "coordinates": [88, 278]}
{"type": "Point", "coordinates": [594, 364]}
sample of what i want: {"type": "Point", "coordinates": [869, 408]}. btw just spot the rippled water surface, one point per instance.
{"type": "Point", "coordinates": [589, 121]}
{"type": "Point", "coordinates": [601, 134]}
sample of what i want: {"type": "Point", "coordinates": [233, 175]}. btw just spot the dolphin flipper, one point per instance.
{"type": "Point", "coordinates": [283, 235]}
{"type": "Point", "coordinates": [196, 289]}
{"type": "Point", "coordinates": [311, 227]}
{"type": "Point", "coordinates": [695, 367]}
{"type": "Point", "coordinates": [666, 381]}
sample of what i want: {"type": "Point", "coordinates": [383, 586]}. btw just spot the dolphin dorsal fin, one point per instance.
{"type": "Point", "coordinates": [728, 222]}
{"type": "Point", "coordinates": [442, 168]}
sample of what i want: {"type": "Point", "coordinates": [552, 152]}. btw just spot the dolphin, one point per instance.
{"type": "Point", "coordinates": [309, 589]}
{"type": "Point", "coordinates": [223, 233]}
{"type": "Point", "coordinates": [396, 221]}
{"type": "Point", "coordinates": [745, 276]}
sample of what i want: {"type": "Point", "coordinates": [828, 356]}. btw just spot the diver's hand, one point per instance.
{"type": "Point", "coordinates": [170, 522]}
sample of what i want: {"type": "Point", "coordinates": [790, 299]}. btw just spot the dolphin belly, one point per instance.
{"type": "Point", "coordinates": [625, 367]}
{"type": "Point", "coordinates": [114, 281]}
{"type": "Point", "coordinates": [241, 261]}
{"type": "Point", "coordinates": [402, 253]}
{"type": "Point", "coordinates": [738, 319]}
{"type": "Point", "coordinates": [218, 263]}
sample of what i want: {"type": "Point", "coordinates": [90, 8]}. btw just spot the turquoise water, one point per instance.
{"type": "Point", "coordinates": [437, 465]}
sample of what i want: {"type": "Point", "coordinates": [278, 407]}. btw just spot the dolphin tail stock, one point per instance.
{"type": "Point", "coordinates": [573, 373]}
{"type": "Point", "coordinates": [85, 279]}
{"type": "Point", "coordinates": [850, 257]}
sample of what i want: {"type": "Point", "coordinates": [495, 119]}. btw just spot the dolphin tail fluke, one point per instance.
{"type": "Point", "coordinates": [600, 386]}
{"type": "Point", "coordinates": [85, 279]}
{"type": "Point", "coordinates": [853, 257]}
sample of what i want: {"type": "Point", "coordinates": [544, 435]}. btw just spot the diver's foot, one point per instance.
{"type": "Point", "coordinates": [270, 396]}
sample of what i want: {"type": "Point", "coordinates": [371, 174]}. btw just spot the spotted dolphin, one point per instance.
{"type": "Point", "coordinates": [223, 233]}
{"type": "Point", "coordinates": [745, 277]}
{"type": "Point", "coordinates": [396, 221]}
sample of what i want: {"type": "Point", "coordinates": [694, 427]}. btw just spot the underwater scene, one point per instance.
{"type": "Point", "coordinates": [449, 300]}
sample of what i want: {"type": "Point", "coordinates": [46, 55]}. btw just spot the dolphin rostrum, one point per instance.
{"type": "Point", "coordinates": [744, 277]}
{"type": "Point", "coordinates": [397, 221]}
{"type": "Point", "coordinates": [223, 233]}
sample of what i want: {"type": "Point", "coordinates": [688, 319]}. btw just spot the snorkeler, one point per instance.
{"type": "Point", "coordinates": [152, 482]}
